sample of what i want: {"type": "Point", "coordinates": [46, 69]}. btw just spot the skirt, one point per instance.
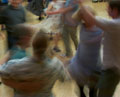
{"type": "Point", "coordinates": [36, 7]}
{"type": "Point", "coordinates": [51, 24]}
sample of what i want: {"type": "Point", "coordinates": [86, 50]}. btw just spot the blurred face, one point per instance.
{"type": "Point", "coordinates": [109, 10]}
{"type": "Point", "coordinates": [25, 41]}
{"type": "Point", "coordinates": [15, 3]}
{"type": "Point", "coordinates": [113, 12]}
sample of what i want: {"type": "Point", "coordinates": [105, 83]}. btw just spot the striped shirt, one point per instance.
{"type": "Point", "coordinates": [46, 72]}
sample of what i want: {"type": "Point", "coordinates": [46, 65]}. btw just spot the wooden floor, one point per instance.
{"type": "Point", "coordinates": [67, 89]}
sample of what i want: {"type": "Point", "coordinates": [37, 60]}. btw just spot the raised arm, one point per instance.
{"type": "Point", "coordinates": [60, 11]}
{"type": "Point", "coordinates": [87, 14]}
{"type": "Point", "coordinates": [104, 24]}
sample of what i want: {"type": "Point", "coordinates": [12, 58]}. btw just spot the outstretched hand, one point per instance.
{"type": "Point", "coordinates": [60, 11]}
{"type": "Point", "coordinates": [2, 36]}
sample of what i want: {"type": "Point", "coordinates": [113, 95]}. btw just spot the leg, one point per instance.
{"type": "Point", "coordinates": [92, 92]}
{"type": "Point", "coordinates": [81, 89]}
{"type": "Point", "coordinates": [41, 17]}
{"type": "Point", "coordinates": [82, 94]}
{"type": "Point", "coordinates": [107, 83]}
{"type": "Point", "coordinates": [51, 35]}
{"type": "Point", "coordinates": [11, 40]}
{"type": "Point", "coordinates": [73, 34]}
{"type": "Point", "coordinates": [56, 40]}
{"type": "Point", "coordinates": [66, 40]}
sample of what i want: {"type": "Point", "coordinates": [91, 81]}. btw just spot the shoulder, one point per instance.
{"type": "Point", "coordinates": [21, 8]}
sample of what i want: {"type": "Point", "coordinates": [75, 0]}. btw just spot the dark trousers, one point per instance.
{"type": "Point", "coordinates": [11, 41]}
{"type": "Point", "coordinates": [108, 81]}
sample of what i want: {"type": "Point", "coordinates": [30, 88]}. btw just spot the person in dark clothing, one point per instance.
{"type": "Point", "coordinates": [4, 1]}
{"type": "Point", "coordinates": [29, 0]}
{"type": "Point", "coordinates": [11, 15]}
{"type": "Point", "coordinates": [36, 7]}
{"type": "Point", "coordinates": [3, 4]}
{"type": "Point", "coordinates": [47, 2]}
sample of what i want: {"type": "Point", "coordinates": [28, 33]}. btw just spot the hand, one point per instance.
{"type": "Point", "coordinates": [51, 13]}
{"type": "Point", "coordinates": [2, 36]}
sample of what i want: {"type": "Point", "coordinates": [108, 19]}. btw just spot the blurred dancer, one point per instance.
{"type": "Point", "coordinates": [36, 7]}
{"type": "Point", "coordinates": [12, 15]}
{"type": "Point", "coordinates": [34, 76]}
{"type": "Point", "coordinates": [110, 76]}
{"type": "Point", "coordinates": [23, 37]}
{"type": "Point", "coordinates": [53, 23]}
{"type": "Point", "coordinates": [56, 20]}
{"type": "Point", "coordinates": [69, 29]}
{"type": "Point", "coordinates": [85, 66]}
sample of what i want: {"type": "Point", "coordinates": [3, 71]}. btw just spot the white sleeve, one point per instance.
{"type": "Point", "coordinates": [108, 25]}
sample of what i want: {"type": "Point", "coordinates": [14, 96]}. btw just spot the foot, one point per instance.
{"type": "Point", "coordinates": [56, 49]}
{"type": "Point", "coordinates": [94, 1]}
{"type": "Point", "coordinates": [40, 18]}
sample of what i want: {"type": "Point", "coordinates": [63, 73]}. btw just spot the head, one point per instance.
{"type": "Point", "coordinates": [15, 3]}
{"type": "Point", "coordinates": [114, 8]}
{"type": "Point", "coordinates": [40, 43]}
{"type": "Point", "coordinates": [23, 34]}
